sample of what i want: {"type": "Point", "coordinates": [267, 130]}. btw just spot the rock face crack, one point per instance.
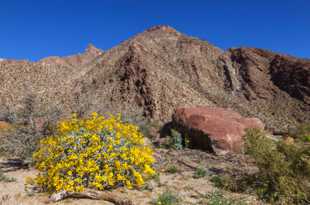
{"type": "Point", "coordinates": [133, 77]}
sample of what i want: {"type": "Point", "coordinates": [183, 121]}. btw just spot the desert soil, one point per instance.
{"type": "Point", "coordinates": [190, 190]}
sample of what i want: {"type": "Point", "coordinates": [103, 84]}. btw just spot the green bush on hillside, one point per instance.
{"type": "Point", "coordinates": [302, 132]}
{"type": "Point", "coordinates": [284, 168]}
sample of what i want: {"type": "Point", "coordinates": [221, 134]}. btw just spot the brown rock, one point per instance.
{"type": "Point", "coordinates": [213, 128]}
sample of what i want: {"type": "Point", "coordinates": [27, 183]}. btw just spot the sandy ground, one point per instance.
{"type": "Point", "coordinates": [13, 193]}
{"type": "Point", "coordinates": [190, 190]}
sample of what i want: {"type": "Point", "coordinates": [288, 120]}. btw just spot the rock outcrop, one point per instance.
{"type": "Point", "coordinates": [213, 128]}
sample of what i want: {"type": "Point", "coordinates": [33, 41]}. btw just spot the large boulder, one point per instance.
{"type": "Point", "coordinates": [214, 128]}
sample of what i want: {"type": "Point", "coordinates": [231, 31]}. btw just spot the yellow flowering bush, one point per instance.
{"type": "Point", "coordinates": [95, 152]}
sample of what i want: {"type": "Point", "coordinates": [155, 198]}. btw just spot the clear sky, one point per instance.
{"type": "Point", "coordinates": [33, 29]}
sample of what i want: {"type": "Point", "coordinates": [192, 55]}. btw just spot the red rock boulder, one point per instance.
{"type": "Point", "coordinates": [213, 128]}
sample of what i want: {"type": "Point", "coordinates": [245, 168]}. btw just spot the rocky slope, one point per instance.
{"type": "Point", "coordinates": [158, 70]}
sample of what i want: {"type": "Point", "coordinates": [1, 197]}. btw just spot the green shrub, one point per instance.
{"type": "Point", "coordinates": [199, 173]}
{"type": "Point", "coordinates": [302, 132]}
{"type": "Point", "coordinates": [235, 182]}
{"type": "Point", "coordinates": [167, 198]}
{"type": "Point", "coordinates": [284, 169]}
{"type": "Point", "coordinates": [172, 169]}
{"type": "Point", "coordinates": [175, 140]}
{"type": "Point", "coordinates": [223, 181]}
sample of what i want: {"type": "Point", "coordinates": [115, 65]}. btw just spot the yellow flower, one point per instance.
{"type": "Point", "coordinates": [148, 170]}
{"type": "Point", "coordinates": [95, 152]}
{"type": "Point", "coordinates": [117, 164]}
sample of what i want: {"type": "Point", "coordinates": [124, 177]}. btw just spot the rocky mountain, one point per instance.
{"type": "Point", "coordinates": [157, 71]}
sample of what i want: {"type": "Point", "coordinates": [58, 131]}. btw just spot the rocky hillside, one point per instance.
{"type": "Point", "coordinates": [156, 71]}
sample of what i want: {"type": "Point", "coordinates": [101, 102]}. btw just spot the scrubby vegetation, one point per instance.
{"type": "Point", "coordinates": [175, 140]}
{"type": "Point", "coordinates": [19, 142]}
{"type": "Point", "coordinates": [200, 172]}
{"type": "Point", "coordinates": [302, 132]}
{"type": "Point", "coordinates": [4, 178]}
{"type": "Point", "coordinates": [167, 198]}
{"type": "Point", "coordinates": [229, 182]}
{"type": "Point", "coordinates": [19, 134]}
{"type": "Point", "coordinates": [95, 152]}
{"type": "Point", "coordinates": [172, 169]}
{"type": "Point", "coordinates": [284, 170]}
{"type": "Point", "coordinates": [217, 198]}
{"type": "Point", "coordinates": [108, 152]}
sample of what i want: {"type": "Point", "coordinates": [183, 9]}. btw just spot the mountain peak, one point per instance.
{"type": "Point", "coordinates": [163, 28]}
{"type": "Point", "coordinates": [91, 49]}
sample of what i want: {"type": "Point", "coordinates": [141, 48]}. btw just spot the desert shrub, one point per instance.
{"type": "Point", "coordinates": [218, 181]}
{"type": "Point", "coordinates": [175, 140]}
{"type": "Point", "coordinates": [4, 178]}
{"type": "Point", "coordinates": [167, 198]}
{"type": "Point", "coordinates": [95, 152]}
{"type": "Point", "coordinates": [22, 138]}
{"type": "Point", "coordinates": [284, 169]}
{"type": "Point", "coordinates": [302, 132]}
{"type": "Point", "coordinates": [172, 169]}
{"type": "Point", "coordinates": [199, 173]}
{"type": "Point", "coordinates": [227, 182]}
{"type": "Point", "coordinates": [235, 182]}
{"type": "Point", "coordinates": [19, 142]}
{"type": "Point", "coordinates": [217, 198]}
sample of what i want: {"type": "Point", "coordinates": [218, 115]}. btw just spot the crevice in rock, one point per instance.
{"type": "Point", "coordinates": [133, 77]}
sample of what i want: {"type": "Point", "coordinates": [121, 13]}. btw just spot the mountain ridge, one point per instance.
{"type": "Point", "coordinates": [158, 70]}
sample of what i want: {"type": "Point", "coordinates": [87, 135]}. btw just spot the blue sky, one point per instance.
{"type": "Point", "coordinates": [33, 29]}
